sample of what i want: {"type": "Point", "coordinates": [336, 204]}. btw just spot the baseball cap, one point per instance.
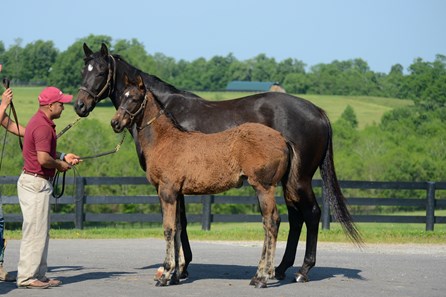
{"type": "Point", "coordinates": [52, 94]}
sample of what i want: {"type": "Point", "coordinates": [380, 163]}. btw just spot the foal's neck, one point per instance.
{"type": "Point", "coordinates": [153, 117]}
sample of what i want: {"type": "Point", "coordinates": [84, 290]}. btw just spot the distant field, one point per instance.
{"type": "Point", "coordinates": [369, 110]}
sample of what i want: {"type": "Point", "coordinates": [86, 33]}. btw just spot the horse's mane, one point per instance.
{"type": "Point", "coordinates": [157, 86]}
{"type": "Point", "coordinates": [168, 114]}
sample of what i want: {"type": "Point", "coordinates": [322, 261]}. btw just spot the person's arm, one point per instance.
{"type": "Point", "coordinates": [45, 160]}
{"type": "Point", "coordinates": [6, 122]}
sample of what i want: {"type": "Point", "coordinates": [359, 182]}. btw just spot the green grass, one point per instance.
{"type": "Point", "coordinates": [369, 110]}
{"type": "Point", "coordinates": [371, 232]}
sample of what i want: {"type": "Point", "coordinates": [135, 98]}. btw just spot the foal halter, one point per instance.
{"type": "Point", "coordinates": [138, 111]}
{"type": "Point", "coordinates": [111, 78]}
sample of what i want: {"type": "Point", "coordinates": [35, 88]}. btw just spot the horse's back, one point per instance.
{"type": "Point", "coordinates": [301, 122]}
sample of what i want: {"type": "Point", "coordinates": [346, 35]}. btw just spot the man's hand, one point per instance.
{"type": "Point", "coordinates": [72, 159]}
{"type": "Point", "coordinates": [62, 166]}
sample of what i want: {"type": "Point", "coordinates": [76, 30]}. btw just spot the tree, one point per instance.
{"type": "Point", "coordinates": [134, 53]}
{"type": "Point", "coordinates": [12, 64]}
{"type": "Point", "coordinates": [297, 83]}
{"type": "Point", "coordinates": [263, 68]}
{"type": "Point", "coordinates": [38, 58]}
{"type": "Point", "coordinates": [350, 117]}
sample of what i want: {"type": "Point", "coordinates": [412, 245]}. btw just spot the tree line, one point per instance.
{"type": "Point", "coordinates": [40, 63]}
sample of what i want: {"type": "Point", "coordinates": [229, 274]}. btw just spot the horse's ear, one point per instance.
{"type": "Point", "coordinates": [88, 52]}
{"type": "Point", "coordinates": [104, 50]}
{"type": "Point", "coordinates": [140, 82]}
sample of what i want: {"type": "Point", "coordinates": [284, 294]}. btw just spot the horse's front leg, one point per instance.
{"type": "Point", "coordinates": [271, 223]}
{"type": "Point", "coordinates": [169, 224]}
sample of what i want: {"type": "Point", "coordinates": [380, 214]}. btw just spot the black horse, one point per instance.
{"type": "Point", "coordinates": [305, 125]}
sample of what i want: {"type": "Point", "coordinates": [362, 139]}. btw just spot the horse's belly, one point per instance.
{"type": "Point", "coordinates": [211, 184]}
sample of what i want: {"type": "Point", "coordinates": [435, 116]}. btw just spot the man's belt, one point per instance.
{"type": "Point", "coordinates": [49, 178]}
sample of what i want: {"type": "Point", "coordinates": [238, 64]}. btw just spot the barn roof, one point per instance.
{"type": "Point", "coordinates": [249, 86]}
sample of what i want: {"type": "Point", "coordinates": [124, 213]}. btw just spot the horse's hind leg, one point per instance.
{"type": "Point", "coordinates": [179, 254]}
{"type": "Point", "coordinates": [184, 238]}
{"type": "Point", "coordinates": [295, 220]}
{"type": "Point", "coordinates": [302, 207]}
{"type": "Point", "coordinates": [311, 215]}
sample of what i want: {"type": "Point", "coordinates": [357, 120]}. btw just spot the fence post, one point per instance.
{"type": "Point", "coordinates": [430, 206]}
{"type": "Point", "coordinates": [79, 201]}
{"type": "Point", "coordinates": [325, 212]}
{"type": "Point", "coordinates": [206, 216]}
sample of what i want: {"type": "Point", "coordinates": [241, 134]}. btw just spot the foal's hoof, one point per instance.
{"type": "Point", "coordinates": [161, 282]}
{"type": "Point", "coordinates": [158, 274]}
{"type": "Point", "coordinates": [300, 278]}
{"type": "Point", "coordinates": [257, 283]}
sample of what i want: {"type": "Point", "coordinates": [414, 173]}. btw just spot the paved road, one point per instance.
{"type": "Point", "coordinates": [102, 268]}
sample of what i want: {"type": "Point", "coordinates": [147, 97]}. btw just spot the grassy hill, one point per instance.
{"type": "Point", "coordinates": [368, 110]}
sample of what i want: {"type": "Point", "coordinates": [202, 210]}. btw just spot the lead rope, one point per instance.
{"type": "Point", "coordinates": [11, 109]}
{"type": "Point", "coordinates": [56, 177]}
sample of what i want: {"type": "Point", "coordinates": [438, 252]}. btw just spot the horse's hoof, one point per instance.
{"type": "Point", "coordinates": [280, 275]}
{"type": "Point", "coordinates": [174, 280]}
{"type": "Point", "coordinates": [300, 278]}
{"type": "Point", "coordinates": [184, 274]}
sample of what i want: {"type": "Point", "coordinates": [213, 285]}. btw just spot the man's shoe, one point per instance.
{"type": "Point", "coordinates": [35, 285]}
{"type": "Point", "coordinates": [52, 282]}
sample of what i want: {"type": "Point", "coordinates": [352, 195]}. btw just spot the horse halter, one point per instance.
{"type": "Point", "coordinates": [108, 85]}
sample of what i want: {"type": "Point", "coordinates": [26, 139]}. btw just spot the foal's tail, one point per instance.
{"type": "Point", "coordinates": [333, 193]}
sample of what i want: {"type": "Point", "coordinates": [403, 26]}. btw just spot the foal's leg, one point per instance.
{"type": "Point", "coordinates": [271, 222]}
{"type": "Point", "coordinates": [168, 205]}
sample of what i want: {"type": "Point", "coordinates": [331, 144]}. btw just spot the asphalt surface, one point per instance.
{"type": "Point", "coordinates": [125, 267]}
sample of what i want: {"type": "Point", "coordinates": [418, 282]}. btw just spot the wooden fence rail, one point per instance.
{"type": "Point", "coordinates": [79, 198]}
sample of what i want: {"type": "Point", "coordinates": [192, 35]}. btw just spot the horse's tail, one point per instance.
{"type": "Point", "coordinates": [333, 193]}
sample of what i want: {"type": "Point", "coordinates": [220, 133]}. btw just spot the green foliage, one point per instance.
{"type": "Point", "coordinates": [40, 63]}
{"type": "Point", "coordinates": [350, 117]}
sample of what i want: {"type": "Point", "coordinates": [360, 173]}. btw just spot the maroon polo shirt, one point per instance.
{"type": "Point", "coordinates": [40, 135]}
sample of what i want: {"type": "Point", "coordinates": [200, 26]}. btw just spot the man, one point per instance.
{"type": "Point", "coordinates": [11, 127]}
{"type": "Point", "coordinates": [34, 188]}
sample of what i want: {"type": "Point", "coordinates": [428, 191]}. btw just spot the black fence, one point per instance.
{"type": "Point", "coordinates": [79, 199]}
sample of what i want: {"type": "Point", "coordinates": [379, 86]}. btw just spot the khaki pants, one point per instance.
{"type": "Point", "coordinates": [34, 196]}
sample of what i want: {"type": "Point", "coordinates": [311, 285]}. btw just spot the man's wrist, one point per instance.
{"type": "Point", "coordinates": [62, 156]}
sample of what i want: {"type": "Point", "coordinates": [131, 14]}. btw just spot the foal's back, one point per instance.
{"type": "Point", "coordinates": [198, 163]}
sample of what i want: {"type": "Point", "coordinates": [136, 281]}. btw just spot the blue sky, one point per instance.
{"type": "Point", "coordinates": [382, 32]}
